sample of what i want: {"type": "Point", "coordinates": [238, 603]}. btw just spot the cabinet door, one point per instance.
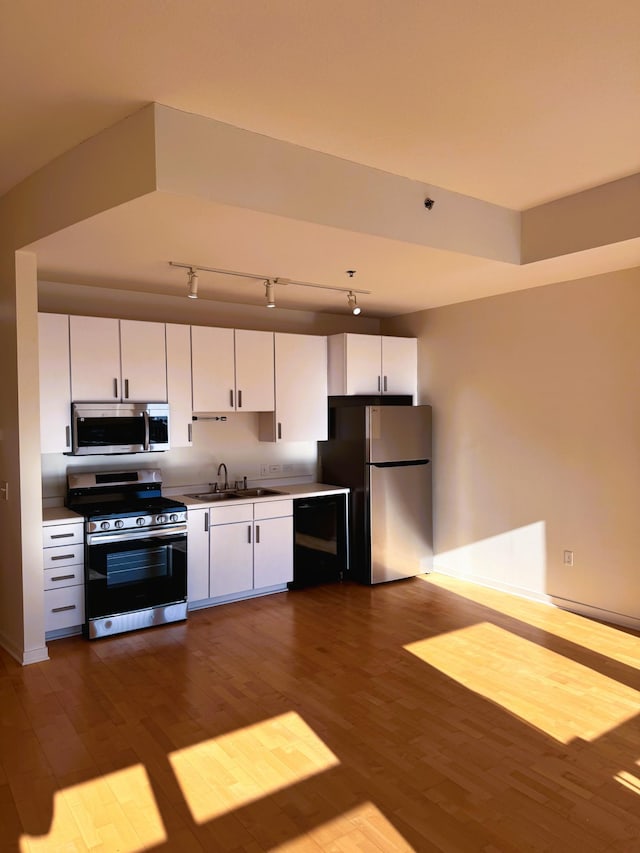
{"type": "Point", "coordinates": [144, 361]}
{"type": "Point", "coordinates": [212, 355]}
{"type": "Point", "coordinates": [95, 358]}
{"type": "Point", "coordinates": [231, 558]}
{"type": "Point", "coordinates": [254, 371]}
{"type": "Point", "coordinates": [55, 383]}
{"type": "Point", "coordinates": [400, 366]}
{"type": "Point", "coordinates": [273, 552]}
{"type": "Point", "coordinates": [197, 554]}
{"type": "Point", "coordinates": [363, 364]}
{"type": "Point", "coordinates": [179, 384]}
{"type": "Point", "coordinates": [301, 390]}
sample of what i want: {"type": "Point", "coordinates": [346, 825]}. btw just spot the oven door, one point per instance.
{"type": "Point", "coordinates": [135, 570]}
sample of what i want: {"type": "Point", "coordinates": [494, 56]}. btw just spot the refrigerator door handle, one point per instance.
{"type": "Point", "coordinates": [402, 464]}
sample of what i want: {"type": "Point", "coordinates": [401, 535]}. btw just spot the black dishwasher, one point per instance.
{"type": "Point", "coordinates": [321, 544]}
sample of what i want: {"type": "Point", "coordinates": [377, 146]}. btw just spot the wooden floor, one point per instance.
{"type": "Point", "coordinates": [426, 715]}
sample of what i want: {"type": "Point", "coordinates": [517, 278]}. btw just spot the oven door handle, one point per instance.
{"type": "Point", "coordinates": [146, 431]}
{"type": "Point", "coordinates": [177, 531]}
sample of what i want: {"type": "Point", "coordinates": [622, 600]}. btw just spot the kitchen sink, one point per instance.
{"type": "Point", "coordinates": [213, 496]}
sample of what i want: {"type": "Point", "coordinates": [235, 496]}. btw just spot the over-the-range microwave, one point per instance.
{"type": "Point", "coordinates": [101, 428]}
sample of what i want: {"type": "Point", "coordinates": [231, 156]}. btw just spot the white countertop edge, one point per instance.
{"type": "Point", "coordinates": [62, 515]}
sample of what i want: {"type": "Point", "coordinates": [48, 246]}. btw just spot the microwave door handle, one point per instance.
{"type": "Point", "coordinates": [146, 431]}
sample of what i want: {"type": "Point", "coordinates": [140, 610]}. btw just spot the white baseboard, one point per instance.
{"type": "Point", "coordinates": [22, 656]}
{"type": "Point", "coordinates": [490, 583]}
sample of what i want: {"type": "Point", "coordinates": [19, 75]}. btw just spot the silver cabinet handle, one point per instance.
{"type": "Point", "coordinates": [249, 534]}
{"type": "Point", "coordinates": [126, 389]}
{"type": "Point", "coordinates": [67, 436]}
{"type": "Point", "coordinates": [231, 398]}
{"type": "Point", "coordinates": [206, 522]}
{"type": "Point", "coordinates": [384, 388]}
{"type": "Point", "coordinates": [63, 578]}
{"type": "Point", "coordinates": [115, 388]}
{"type": "Point", "coordinates": [61, 535]}
{"type": "Point", "coordinates": [239, 399]}
{"type": "Point", "coordinates": [378, 383]}
{"type": "Point", "coordinates": [257, 534]}
{"type": "Point", "coordinates": [189, 432]}
{"type": "Point", "coordinates": [62, 609]}
{"type": "Point", "coordinates": [279, 429]}
{"type": "Point", "coordinates": [63, 557]}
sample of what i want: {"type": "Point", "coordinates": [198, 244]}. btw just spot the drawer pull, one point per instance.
{"type": "Point", "coordinates": [62, 609]}
{"type": "Point", "coordinates": [63, 578]}
{"type": "Point", "coordinates": [62, 535]}
{"type": "Point", "coordinates": [63, 557]}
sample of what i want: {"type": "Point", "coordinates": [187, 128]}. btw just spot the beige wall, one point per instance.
{"type": "Point", "coordinates": [537, 439]}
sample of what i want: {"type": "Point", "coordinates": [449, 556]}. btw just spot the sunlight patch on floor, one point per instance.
{"type": "Point", "coordinates": [556, 695]}
{"type": "Point", "coordinates": [117, 811]}
{"type": "Point", "coordinates": [604, 639]}
{"type": "Point", "coordinates": [230, 771]}
{"type": "Point", "coordinates": [628, 781]}
{"type": "Point", "coordinates": [362, 828]}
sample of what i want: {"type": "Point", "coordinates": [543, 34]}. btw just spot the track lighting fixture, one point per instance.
{"type": "Point", "coordinates": [269, 294]}
{"type": "Point", "coordinates": [353, 303]}
{"type": "Point", "coordinates": [269, 283]}
{"type": "Point", "coordinates": [193, 284]}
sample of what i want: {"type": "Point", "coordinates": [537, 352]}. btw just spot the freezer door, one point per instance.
{"type": "Point", "coordinates": [398, 433]}
{"type": "Point", "coordinates": [401, 521]}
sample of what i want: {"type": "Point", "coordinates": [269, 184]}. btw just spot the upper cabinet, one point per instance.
{"type": "Point", "coordinates": [179, 383]}
{"type": "Point", "coordinates": [301, 390]}
{"type": "Point", "coordinates": [372, 364]}
{"type": "Point", "coordinates": [117, 360]}
{"type": "Point", "coordinates": [232, 370]}
{"type": "Point", "coordinates": [55, 383]}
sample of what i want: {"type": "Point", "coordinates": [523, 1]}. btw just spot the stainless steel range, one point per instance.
{"type": "Point", "coordinates": [135, 550]}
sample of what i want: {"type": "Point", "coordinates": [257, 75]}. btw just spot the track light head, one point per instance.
{"type": "Point", "coordinates": [269, 287]}
{"type": "Point", "coordinates": [193, 284]}
{"type": "Point", "coordinates": [353, 303]}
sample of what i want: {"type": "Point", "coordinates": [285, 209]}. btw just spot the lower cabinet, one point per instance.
{"type": "Point", "coordinates": [249, 549]}
{"type": "Point", "coordinates": [63, 577]}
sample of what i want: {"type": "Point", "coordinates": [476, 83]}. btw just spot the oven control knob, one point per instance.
{"type": "Point", "coordinates": [173, 517]}
{"type": "Point", "coordinates": [105, 525]}
{"type": "Point", "coordinates": [161, 519]}
{"type": "Point", "coordinates": [140, 521]}
{"type": "Point", "coordinates": [119, 523]}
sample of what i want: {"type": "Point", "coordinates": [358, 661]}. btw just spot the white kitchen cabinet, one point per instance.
{"type": "Point", "coordinates": [232, 370]}
{"type": "Point", "coordinates": [300, 390]}
{"type": "Point", "coordinates": [117, 360]}
{"type": "Point", "coordinates": [372, 364]}
{"type": "Point", "coordinates": [179, 384]}
{"type": "Point", "coordinates": [63, 561]}
{"type": "Point", "coordinates": [197, 555]}
{"type": "Point", "coordinates": [55, 383]}
{"type": "Point", "coordinates": [250, 547]}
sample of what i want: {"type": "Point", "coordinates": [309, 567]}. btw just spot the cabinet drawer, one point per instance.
{"type": "Point", "coordinates": [63, 608]}
{"type": "Point", "coordinates": [63, 555]}
{"type": "Point", "coordinates": [62, 534]}
{"type": "Point", "coordinates": [231, 514]}
{"type": "Point", "coordinates": [63, 576]}
{"type": "Point", "coordinates": [273, 509]}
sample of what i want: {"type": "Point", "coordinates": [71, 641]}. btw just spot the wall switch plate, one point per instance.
{"type": "Point", "coordinates": [568, 558]}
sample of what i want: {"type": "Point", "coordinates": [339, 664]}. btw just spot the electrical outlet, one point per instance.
{"type": "Point", "coordinates": [568, 558]}
{"type": "Point", "coordinates": [275, 469]}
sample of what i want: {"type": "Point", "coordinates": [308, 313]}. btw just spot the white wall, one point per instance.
{"type": "Point", "coordinates": [537, 439]}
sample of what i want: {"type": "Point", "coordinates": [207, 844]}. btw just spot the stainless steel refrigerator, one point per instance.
{"type": "Point", "coordinates": [383, 453]}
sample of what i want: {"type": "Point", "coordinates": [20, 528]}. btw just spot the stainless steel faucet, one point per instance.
{"type": "Point", "coordinates": [226, 475]}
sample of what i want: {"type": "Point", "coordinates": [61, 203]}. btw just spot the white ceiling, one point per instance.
{"type": "Point", "coordinates": [511, 102]}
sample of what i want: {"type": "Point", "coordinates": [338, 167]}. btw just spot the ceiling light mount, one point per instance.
{"type": "Point", "coordinates": [428, 203]}
{"type": "Point", "coordinates": [193, 283]}
{"type": "Point", "coordinates": [268, 281]}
